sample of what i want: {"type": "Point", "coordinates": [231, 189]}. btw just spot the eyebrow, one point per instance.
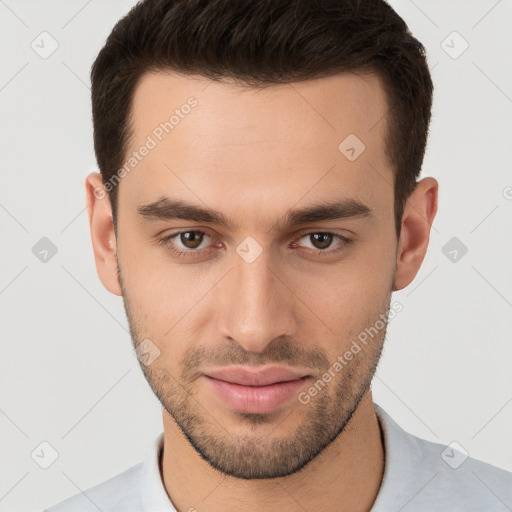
{"type": "Point", "coordinates": [172, 209]}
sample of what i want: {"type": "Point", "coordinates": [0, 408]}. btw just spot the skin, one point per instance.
{"type": "Point", "coordinates": [252, 155]}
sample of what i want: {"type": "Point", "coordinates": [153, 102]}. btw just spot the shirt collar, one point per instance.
{"type": "Point", "coordinates": [155, 499]}
{"type": "Point", "coordinates": [153, 494]}
{"type": "Point", "coordinates": [400, 456]}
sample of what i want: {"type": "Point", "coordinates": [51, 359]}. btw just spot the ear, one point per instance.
{"type": "Point", "coordinates": [419, 212]}
{"type": "Point", "coordinates": [102, 232]}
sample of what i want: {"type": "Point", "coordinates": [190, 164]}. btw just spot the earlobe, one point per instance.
{"type": "Point", "coordinates": [419, 213]}
{"type": "Point", "coordinates": [102, 232]}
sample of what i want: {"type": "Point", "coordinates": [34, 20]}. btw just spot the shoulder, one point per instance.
{"type": "Point", "coordinates": [461, 475]}
{"type": "Point", "coordinates": [424, 475]}
{"type": "Point", "coordinates": [121, 492]}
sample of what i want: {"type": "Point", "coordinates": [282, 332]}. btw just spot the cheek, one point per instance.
{"type": "Point", "coordinates": [346, 297]}
{"type": "Point", "coordinates": [373, 264]}
{"type": "Point", "coordinates": [358, 283]}
{"type": "Point", "coordinates": [166, 301]}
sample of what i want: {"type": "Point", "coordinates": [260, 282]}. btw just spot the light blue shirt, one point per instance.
{"type": "Point", "coordinates": [419, 476]}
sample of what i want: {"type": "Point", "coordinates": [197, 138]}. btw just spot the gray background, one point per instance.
{"type": "Point", "coordinates": [68, 375]}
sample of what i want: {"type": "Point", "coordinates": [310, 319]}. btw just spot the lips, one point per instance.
{"type": "Point", "coordinates": [256, 391]}
{"type": "Point", "coordinates": [261, 377]}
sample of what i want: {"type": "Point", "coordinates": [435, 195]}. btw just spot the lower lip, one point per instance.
{"type": "Point", "coordinates": [256, 399]}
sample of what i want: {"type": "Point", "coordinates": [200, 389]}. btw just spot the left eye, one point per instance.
{"type": "Point", "coordinates": [322, 240]}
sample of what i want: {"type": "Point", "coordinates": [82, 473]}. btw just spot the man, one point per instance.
{"type": "Point", "coordinates": [258, 203]}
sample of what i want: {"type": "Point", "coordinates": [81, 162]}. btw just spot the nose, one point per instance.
{"type": "Point", "coordinates": [257, 305]}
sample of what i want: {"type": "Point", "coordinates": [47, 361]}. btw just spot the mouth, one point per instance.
{"type": "Point", "coordinates": [260, 391]}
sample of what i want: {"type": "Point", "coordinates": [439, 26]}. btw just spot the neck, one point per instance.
{"type": "Point", "coordinates": [346, 476]}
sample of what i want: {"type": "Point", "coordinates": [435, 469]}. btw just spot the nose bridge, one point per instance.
{"type": "Point", "coordinates": [257, 309]}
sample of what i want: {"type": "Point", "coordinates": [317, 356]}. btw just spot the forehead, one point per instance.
{"type": "Point", "coordinates": [231, 146]}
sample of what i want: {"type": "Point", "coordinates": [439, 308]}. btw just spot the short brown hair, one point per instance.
{"type": "Point", "coordinates": [259, 43]}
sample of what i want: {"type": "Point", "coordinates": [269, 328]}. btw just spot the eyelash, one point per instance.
{"type": "Point", "coordinates": [167, 243]}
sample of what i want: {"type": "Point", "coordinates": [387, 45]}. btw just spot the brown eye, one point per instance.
{"type": "Point", "coordinates": [321, 240]}
{"type": "Point", "coordinates": [325, 242]}
{"type": "Point", "coordinates": [191, 239]}
{"type": "Point", "coordinates": [191, 244]}
{"type": "Point", "coordinates": [186, 242]}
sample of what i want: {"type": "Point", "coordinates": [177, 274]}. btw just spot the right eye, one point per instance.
{"type": "Point", "coordinates": [190, 240]}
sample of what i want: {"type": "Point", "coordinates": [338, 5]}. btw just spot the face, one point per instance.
{"type": "Point", "coordinates": [293, 257]}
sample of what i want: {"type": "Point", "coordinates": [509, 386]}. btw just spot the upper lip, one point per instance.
{"type": "Point", "coordinates": [251, 377]}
